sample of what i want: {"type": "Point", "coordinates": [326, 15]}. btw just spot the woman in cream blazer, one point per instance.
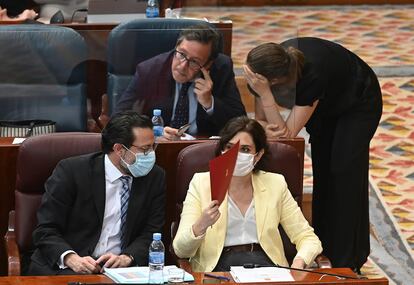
{"type": "Point", "coordinates": [215, 237]}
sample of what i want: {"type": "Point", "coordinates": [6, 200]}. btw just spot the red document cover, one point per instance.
{"type": "Point", "coordinates": [221, 172]}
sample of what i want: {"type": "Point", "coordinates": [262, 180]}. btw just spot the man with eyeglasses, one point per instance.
{"type": "Point", "coordinates": [101, 209]}
{"type": "Point", "coordinates": [194, 83]}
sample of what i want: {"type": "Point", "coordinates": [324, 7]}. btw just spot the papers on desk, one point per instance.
{"type": "Point", "coordinates": [261, 274]}
{"type": "Point", "coordinates": [18, 140]}
{"type": "Point", "coordinates": [138, 275]}
{"type": "Point", "coordinates": [187, 137]}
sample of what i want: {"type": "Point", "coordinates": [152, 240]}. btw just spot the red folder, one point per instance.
{"type": "Point", "coordinates": [221, 172]}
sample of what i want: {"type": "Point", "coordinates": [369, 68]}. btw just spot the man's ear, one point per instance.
{"type": "Point", "coordinates": [117, 148]}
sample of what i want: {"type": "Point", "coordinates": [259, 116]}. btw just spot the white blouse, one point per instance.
{"type": "Point", "coordinates": [240, 229]}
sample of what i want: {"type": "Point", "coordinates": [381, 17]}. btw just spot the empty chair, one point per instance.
{"type": "Point", "coordinates": [43, 75]}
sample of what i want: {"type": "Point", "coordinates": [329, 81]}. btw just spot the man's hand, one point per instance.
{"type": "Point", "coordinates": [82, 265]}
{"type": "Point", "coordinates": [171, 134]}
{"type": "Point", "coordinates": [203, 88]}
{"type": "Point", "coordinates": [111, 260]}
{"type": "Point", "coordinates": [208, 217]}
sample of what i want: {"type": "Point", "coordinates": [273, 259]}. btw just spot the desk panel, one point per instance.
{"type": "Point", "coordinates": [167, 153]}
{"type": "Point", "coordinates": [300, 279]}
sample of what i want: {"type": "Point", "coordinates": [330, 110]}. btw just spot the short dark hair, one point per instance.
{"type": "Point", "coordinates": [244, 124]}
{"type": "Point", "coordinates": [119, 129]}
{"type": "Point", "coordinates": [202, 33]}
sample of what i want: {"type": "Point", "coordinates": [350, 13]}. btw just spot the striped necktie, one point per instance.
{"type": "Point", "coordinates": [124, 207]}
{"type": "Point", "coordinates": [182, 109]}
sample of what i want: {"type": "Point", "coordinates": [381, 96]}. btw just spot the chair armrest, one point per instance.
{"type": "Point", "coordinates": [12, 250]}
{"type": "Point", "coordinates": [184, 263]}
{"type": "Point", "coordinates": [323, 262]}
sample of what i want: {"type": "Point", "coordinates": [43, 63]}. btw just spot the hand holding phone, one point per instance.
{"type": "Point", "coordinates": [183, 129]}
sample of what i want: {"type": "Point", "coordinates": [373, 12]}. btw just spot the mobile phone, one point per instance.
{"type": "Point", "coordinates": [183, 129]}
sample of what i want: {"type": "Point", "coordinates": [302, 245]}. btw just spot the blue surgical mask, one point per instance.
{"type": "Point", "coordinates": [142, 165]}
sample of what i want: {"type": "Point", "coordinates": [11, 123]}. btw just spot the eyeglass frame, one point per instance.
{"type": "Point", "coordinates": [183, 57]}
{"type": "Point", "coordinates": [141, 150]}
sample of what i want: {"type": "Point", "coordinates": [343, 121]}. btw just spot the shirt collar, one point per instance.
{"type": "Point", "coordinates": [111, 171]}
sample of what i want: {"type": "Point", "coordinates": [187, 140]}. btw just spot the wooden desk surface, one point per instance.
{"type": "Point", "coordinates": [301, 278]}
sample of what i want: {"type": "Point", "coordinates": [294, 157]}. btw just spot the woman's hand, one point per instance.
{"type": "Point", "coordinates": [298, 262]}
{"type": "Point", "coordinates": [208, 217]}
{"type": "Point", "coordinates": [257, 82]}
{"type": "Point", "coordinates": [273, 131]}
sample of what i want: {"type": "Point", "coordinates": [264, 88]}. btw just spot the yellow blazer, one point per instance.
{"type": "Point", "coordinates": [274, 205]}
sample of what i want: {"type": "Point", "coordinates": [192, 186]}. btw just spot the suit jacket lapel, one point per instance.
{"type": "Point", "coordinates": [98, 185]}
{"type": "Point", "coordinates": [260, 203]}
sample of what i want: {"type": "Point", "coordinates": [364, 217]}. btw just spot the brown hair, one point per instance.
{"type": "Point", "coordinates": [244, 124]}
{"type": "Point", "coordinates": [274, 61]}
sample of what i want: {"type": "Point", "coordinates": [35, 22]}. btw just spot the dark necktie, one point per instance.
{"type": "Point", "coordinates": [124, 207]}
{"type": "Point", "coordinates": [182, 108]}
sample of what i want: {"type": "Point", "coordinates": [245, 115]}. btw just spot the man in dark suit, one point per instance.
{"type": "Point", "coordinates": [101, 209]}
{"type": "Point", "coordinates": [211, 97]}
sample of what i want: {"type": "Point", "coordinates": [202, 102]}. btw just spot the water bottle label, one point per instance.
{"type": "Point", "coordinates": [156, 257]}
{"type": "Point", "coordinates": [158, 131]}
{"type": "Point", "coordinates": [152, 12]}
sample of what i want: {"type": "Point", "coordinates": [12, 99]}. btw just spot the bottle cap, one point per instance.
{"type": "Point", "coordinates": [156, 112]}
{"type": "Point", "coordinates": [156, 236]}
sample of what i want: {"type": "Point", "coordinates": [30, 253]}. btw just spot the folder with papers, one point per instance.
{"type": "Point", "coordinates": [221, 172]}
{"type": "Point", "coordinates": [138, 275]}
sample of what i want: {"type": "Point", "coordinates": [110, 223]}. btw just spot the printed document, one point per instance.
{"type": "Point", "coordinates": [260, 274]}
{"type": "Point", "coordinates": [138, 275]}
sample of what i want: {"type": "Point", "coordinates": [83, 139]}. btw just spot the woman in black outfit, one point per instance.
{"type": "Point", "coordinates": [337, 97]}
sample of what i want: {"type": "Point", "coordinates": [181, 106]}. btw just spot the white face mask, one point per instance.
{"type": "Point", "coordinates": [244, 164]}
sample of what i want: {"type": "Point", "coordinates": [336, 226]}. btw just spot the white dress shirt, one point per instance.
{"type": "Point", "coordinates": [110, 238]}
{"type": "Point", "coordinates": [240, 229]}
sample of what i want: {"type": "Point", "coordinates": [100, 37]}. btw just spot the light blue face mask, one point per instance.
{"type": "Point", "coordinates": [142, 165]}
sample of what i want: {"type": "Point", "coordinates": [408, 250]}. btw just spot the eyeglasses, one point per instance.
{"type": "Point", "coordinates": [191, 62]}
{"type": "Point", "coordinates": [145, 151]}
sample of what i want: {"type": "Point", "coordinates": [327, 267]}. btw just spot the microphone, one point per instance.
{"type": "Point", "coordinates": [253, 265]}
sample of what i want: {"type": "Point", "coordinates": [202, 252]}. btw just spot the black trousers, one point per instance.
{"type": "Point", "coordinates": [340, 162]}
{"type": "Point", "coordinates": [232, 258]}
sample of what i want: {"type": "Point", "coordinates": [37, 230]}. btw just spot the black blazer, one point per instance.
{"type": "Point", "coordinates": [71, 213]}
{"type": "Point", "coordinates": [153, 87]}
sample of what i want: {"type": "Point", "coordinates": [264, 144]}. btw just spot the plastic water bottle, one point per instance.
{"type": "Point", "coordinates": [158, 123]}
{"type": "Point", "coordinates": [152, 10]}
{"type": "Point", "coordinates": [156, 260]}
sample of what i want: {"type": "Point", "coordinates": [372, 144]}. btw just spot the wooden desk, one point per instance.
{"type": "Point", "coordinates": [301, 278]}
{"type": "Point", "coordinates": [166, 152]}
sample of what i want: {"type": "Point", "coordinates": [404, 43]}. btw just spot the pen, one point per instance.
{"type": "Point", "coordinates": [217, 276]}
